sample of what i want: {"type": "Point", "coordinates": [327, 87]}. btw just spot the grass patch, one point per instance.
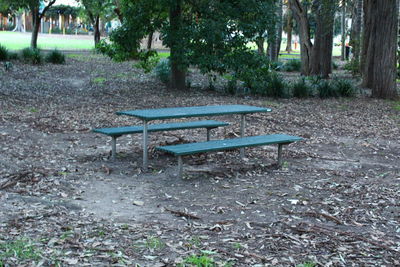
{"type": "Point", "coordinates": [18, 41]}
{"type": "Point", "coordinates": [21, 249]}
{"type": "Point", "coordinates": [396, 105]}
{"type": "Point", "coordinates": [99, 80]}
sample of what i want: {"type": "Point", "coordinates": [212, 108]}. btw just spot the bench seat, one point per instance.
{"type": "Point", "coordinates": [116, 132]}
{"type": "Point", "coordinates": [218, 145]}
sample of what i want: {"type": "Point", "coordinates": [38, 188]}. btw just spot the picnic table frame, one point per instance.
{"type": "Point", "coordinates": [147, 115]}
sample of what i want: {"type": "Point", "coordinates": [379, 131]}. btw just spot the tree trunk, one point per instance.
{"type": "Point", "coordinates": [343, 54]}
{"type": "Point", "coordinates": [380, 47]}
{"type": "Point", "coordinates": [274, 46]}
{"type": "Point", "coordinates": [178, 69]}
{"type": "Point", "coordinates": [19, 26]}
{"type": "Point", "coordinates": [300, 14]}
{"type": "Point", "coordinates": [150, 40]}
{"type": "Point", "coordinates": [96, 27]}
{"type": "Point", "coordinates": [321, 59]}
{"type": "Point", "coordinates": [279, 28]}
{"type": "Point", "coordinates": [289, 30]}
{"type": "Point", "coordinates": [260, 45]}
{"type": "Point", "coordinates": [357, 31]}
{"type": "Point", "coordinates": [35, 26]}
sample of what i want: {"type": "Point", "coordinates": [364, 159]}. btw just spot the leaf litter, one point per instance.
{"type": "Point", "coordinates": [335, 202]}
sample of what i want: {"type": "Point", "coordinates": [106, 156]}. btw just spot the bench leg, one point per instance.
{"type": "Point", "coordinates": [145, 145]}
{"type": "Point", "coordinates": [113, 147]}
{"type": "Point", "coordinates": [180, 167]}
{"type": "Point", "coordinates": [280, 155]}
{"type": "Point", "coordinates": [242, 127]}
{"type": "Point", "coordinates": [208, 134]}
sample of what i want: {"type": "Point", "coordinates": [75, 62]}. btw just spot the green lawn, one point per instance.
{"type": "Point", "coordinates": [17, 41]}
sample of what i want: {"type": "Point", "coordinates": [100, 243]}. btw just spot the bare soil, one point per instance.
{"type": "Point", "coordinates": [335, 202]}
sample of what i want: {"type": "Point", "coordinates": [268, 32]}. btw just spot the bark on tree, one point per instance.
{"type": "Point", "coordinates": [36, 18]}
{"type": "Point", "coordinates": [260, 45]}
{"type": "Point", "coordinates": [274, 47]}
{"type": "Point", "coordinates": [343, 54]}
{"type": "Point", "coordinates": [316, 59]}
{"type": "Point", "coordinates": [19, 26]}
{"type": "Point", "coordinates": [357, 31]}
{"type": "Point", "coordinates": [321, 56]}
{"type": "Point", "coordinates": [150, 40]}
{"type": "Point", "coordinates": [178, 71]}
{"type": "Point", "coordinates": [95, 20]}
{"type": "Point", "coordinates": [300, 15]}
{"type": "Point", "coordinates": [380, 47]}
{"type": "Point", "coordinates": [289, 30]}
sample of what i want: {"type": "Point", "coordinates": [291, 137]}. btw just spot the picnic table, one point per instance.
{"type": "Point", "coordinates": [147, 115]}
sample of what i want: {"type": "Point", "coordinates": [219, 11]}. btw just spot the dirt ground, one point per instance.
{"type": "Point", "coordinates": [335, 202]}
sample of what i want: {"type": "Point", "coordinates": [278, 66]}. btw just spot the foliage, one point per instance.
{"type": "Point", "coordinates": [325, 89]}
{"type": "Point", "coordinates": [4, 54]}
{"type": "Point", "coordinates": [163, 70]}
{"type": "Point", "coordinates": [32, 55]}
{"type": "Point", "coordinates": [211, 35]}
{"type": "Point", "coordinates": [353, 66]}
{"type": "Point", "coordinates": [292, 65]}
{"type": "Point", "coordinates": [148, 61]}
{"type": "Point", "coordinates": [55, 57]}
{"type": "Point", "coordinates": [199, 261]}
{"type": "Point", "coordinates": [301, 89]}
{"type": "Point", "coordinates": [344, 87]}
{"type": "Point", "coordinates": [55, 11]}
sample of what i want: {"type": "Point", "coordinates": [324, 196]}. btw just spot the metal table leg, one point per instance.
{"type": "Point", "coordinates": [242, 126]}
{"type": "Point", "coordinates": [113, 147]}
{"type": "Point", "coordinates": [208, 134]}
{"type": "Point", "coordinates": [180, 167]}
{"type": "Point", "coordinates": [280, 154]}
{"type": "Point", "coordinates": [145, 144]}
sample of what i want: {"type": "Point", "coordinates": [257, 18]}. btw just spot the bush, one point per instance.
{"type": "Point", "coordinates": [4, 54]}
{"type": "Point", "coordinates": [148, 61]}
{"type": "Point", "coordinates": [13, 56]}
{"type": "Point", "coordinates": [276, 86]}
{"type": "Point", "coordinates": [325, 90]}
{"type": "Point", "coordinates": [344, 87]}
{"type": "Point", "coordinates": [353, 66]}
{"type": "Point", "coordinates": [292, 65]}
{"type": "Point", "coordinates": [32, 56]}
{"type": "Point", "coordinates": [301, 89]}
{"type": "Point", "coordinates": [56, 30]}
{"type": "Point", "coordinates": [55, 57]}
{"type": "Point", "coordinates": [163, 70]}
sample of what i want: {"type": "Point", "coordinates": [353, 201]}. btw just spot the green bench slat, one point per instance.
{"type": "Point", "coordinates": [216, 145]}
{"type": "Point", "coordinates": [118, 131]}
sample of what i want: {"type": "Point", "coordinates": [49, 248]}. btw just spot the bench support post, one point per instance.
{"type": "Point", "coordinates": [180, 167]}
{"type": "Point", "coordinates": [280, 154]}
{"type": "Point", "coordinates": [145, 144]}
{"type": "Point", "coordinates": [208, 134]}
{"type": "Point", "coordinates": [242, 126]}
{"type": "Point", "coordinates": [113, 147]}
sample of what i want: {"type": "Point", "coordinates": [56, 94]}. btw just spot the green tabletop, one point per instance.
{"type": "Point", "coordinates": [196, 111]}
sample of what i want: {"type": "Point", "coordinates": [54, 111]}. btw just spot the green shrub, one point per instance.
{"type": "Point", "coordinates": [276, 65]}
{"type": "Point", "coordinates": [148, 61]}
{"type": "Point", "coordinates": [301, 89]}
{"type": "Point", "coordinates": [163, 70]}
{"type": "Point", "coordinates": [335, 66]}
{"type": "Point", "coordinates": [292, 65]}
{"type": "Point", "coordinates": [326, 89]}
{"type": "Point", "coordinates": [32, 56]}
{"type": "Point", "coordinates": [344, 87]}
{"type": "Point", "coordinates": [4, 54]}
{"type": "Point", "coordinates": [353, 66]}
{"type": "Point", "coordinates": [55, 57]}
{"type": "Point", "coordinates": [231, 87]}
{"type": "Point", "coordinates": [13, 56]}
{"type": "Point", "coordinates": [56, 30]}
{"type": "Point", "coordinates": [276, 86]}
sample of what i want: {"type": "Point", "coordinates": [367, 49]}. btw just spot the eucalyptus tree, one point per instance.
{"type": "Point", "coordinates": [380, 47]}
{"type": "Point", "coordinates": [316, 57]}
